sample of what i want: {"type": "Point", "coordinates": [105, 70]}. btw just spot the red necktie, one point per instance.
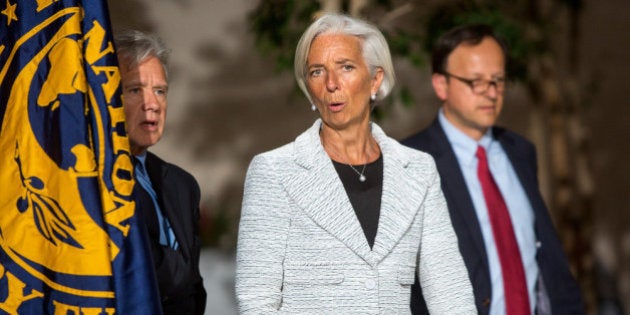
{"type": "Point", "coordinates": [514, 283]}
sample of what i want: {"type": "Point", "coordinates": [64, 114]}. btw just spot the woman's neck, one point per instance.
{"type": "Point", "coordinates": [353, 146]}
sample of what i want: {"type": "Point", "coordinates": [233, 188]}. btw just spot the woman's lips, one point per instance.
{"type": "Point", "coordinates": [335, 107]}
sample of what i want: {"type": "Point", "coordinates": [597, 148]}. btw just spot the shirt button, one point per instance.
{"type": "Point", "coordinates": [370, 284]}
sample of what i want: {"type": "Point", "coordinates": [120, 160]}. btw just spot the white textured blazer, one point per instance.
{"type": "Point", "coordinates": [301, 248]}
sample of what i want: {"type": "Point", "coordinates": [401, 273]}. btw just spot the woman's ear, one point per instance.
{"type": "Point", "coordinates": [377, 80]}
{"type": "Point", "coordinates": [440, 85]}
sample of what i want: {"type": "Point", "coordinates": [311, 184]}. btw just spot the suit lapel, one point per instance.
{"type": "Point", "coordinates": [455, 189]}
{"type": "Point", "coordinates": [525, 171]}
{"type": "Point", "coordinates": [401, 199]}
{"type": "Point", "coordinates": [317, 190]}
{"type": "Point", "coordinates": [168, 197]}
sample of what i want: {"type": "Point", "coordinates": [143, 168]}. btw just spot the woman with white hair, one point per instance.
{"type": "Point", "coordinates": [341, 219]}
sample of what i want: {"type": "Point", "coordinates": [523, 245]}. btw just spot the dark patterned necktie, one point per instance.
{"type": "Point", "coordinates": [166, 233]}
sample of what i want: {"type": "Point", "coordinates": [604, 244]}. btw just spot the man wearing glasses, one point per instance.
{"type": "Point", "coordinates": [514, 258]}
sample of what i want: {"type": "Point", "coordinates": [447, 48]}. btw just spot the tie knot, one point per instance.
{"type": "Point", "coordinates": [139, 166]}
{"type": "Point", "coordinates": [481, 153]}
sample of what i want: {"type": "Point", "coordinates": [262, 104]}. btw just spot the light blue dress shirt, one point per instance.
{"type": "Point", "coordinates": [518, 205]}
{"type": "Point", "coordinates": [167, 237]}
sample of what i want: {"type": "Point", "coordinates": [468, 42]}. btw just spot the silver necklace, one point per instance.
{"type": "Point", "coordinates": [362, 177]}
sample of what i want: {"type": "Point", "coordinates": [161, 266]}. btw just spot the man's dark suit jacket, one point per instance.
{"type": "Point", "coordinates": [177, 271]}
{"type": "Point", "coordinates": [557, 282]}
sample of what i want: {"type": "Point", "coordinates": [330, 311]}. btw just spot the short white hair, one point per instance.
{"type": "Point", "coordinates": [374, 48]}
{"type": "Point", "coordinates": [133, 47]}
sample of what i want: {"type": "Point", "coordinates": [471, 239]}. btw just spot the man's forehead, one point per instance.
{"type": "Point", "coordinates": [149, 71]}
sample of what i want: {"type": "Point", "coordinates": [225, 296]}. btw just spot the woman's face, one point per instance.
{"type": "Point", "coordinates": [339, 81]}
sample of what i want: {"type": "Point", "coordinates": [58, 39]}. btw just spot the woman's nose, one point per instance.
{"type": "Point", "coordinates": [331, 82]}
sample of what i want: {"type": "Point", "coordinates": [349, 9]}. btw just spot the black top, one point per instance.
{"type": "Point", "coordinates": [365, 197]}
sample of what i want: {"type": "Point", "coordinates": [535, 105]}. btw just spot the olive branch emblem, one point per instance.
{"type": "Point", "coordinates": [49, 217]}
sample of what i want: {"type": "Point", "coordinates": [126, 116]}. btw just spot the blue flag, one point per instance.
{"type": "Point", "coordinates": [70, 240]}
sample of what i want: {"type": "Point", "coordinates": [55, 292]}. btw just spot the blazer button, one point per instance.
{"type": "Point", "coordinates": [486, 302]}
{"type": "Point", "coordinates": [370, 284]}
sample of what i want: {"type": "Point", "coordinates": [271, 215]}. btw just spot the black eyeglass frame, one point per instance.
{"type": "Point", "coordinates": [476, 84]}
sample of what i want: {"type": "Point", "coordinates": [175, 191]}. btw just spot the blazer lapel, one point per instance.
{"type": "Point", "coordinates": [525, 170]}
{"type": "Point", "coordinates": [317, 190]}
{"type": "Point", "coordinates": [167, 197]}
{"type": "Point", "coordinates": [456, 191]}
{"type": "Point", "coordinates": [401, 199]}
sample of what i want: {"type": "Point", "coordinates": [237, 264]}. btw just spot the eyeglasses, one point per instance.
{"type": "Point", "coordinates": [480, 86]}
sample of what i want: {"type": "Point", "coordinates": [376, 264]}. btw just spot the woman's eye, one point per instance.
{"type": "Point", "coordinates": [315, 73]}
{"type": "Point", "coordinates": [348, 67]}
